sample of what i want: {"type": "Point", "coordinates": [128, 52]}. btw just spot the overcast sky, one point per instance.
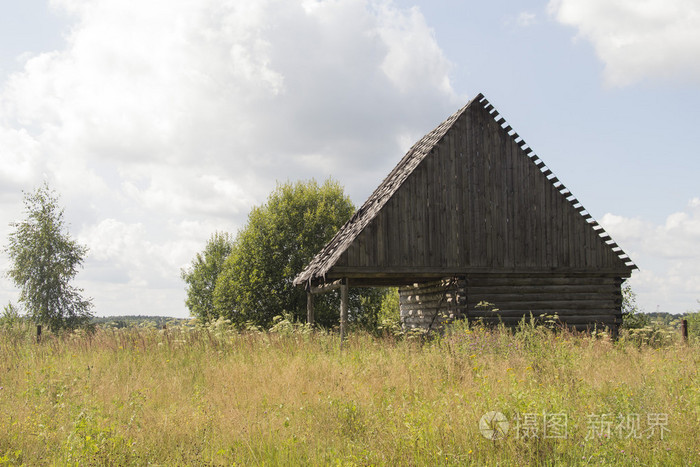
{"type": "Point", "coordinates": [162, 121]}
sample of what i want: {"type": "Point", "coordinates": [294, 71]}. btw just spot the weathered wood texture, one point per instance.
{"type": "Point", "coordinates": [480, 202]}
{"type": "Point", "coordinates": [430, 305]}
{"type": "Point", "coordinates": [470, 197]}
{"type": "Point", "coordinates": [577, 302]}
{"type": "Point", "coordinates": [580, 302]}
{"type": "Point", "coordinates": [471, 200]}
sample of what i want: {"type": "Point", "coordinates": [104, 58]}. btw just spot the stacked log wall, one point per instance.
{"type": "Point", "coordinates": [430, 305]}
{"type": "Point", "coordinates": [581, 303]}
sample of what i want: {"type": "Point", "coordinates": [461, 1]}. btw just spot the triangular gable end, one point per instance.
{"type": "Point", "coordinates": [328, 256]}
{"type": "Point", "coordinates": [625, 262]}
{"type": "Point", "coordinates": [469, 197]}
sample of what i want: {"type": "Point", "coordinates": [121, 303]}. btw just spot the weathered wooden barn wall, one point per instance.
{"type": "Point", "coordinates": [581, 303]}
{"type": "Point", "coordinates": [471, 200]}
{"type": "Point", "coordinates": [430, 305]}
{"type": "Point", "coordinates": [477, 202]}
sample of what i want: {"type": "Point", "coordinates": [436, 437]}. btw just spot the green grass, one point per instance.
{"type": "Point", "coordinates": [193, 396]}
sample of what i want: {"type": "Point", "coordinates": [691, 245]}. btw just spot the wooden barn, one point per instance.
{"type": "Point", "coordinates": [470, 215]}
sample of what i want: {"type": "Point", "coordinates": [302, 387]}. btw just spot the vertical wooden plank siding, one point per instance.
{"type": "Point", "coordinates": [443, 197]}
{"type": "Point", "coordinates": [415, 230]}
{"type": "Point", "coordinates": [471, 192]}
{"type": "Point", "coordinates": [362, 249]}
{"type": "Point", "coordinates": [479, 195]}
{"type": "Point", "coordinates": [461, 177]}
{"type": "Point", "coordinates": [380, 240]}
{"type": "Point", "coordinates": [422, 237]}
{"type": "Point", "coordinates": [476, 201]}
{"type": "Point", "coordinates": [394, 230]}
{"type": "Point", "coordinates": [451, 238]}
{"type": "Point", "coordinates": [431, 200]}
{"type": "Point", "coordinates": [512, 200]}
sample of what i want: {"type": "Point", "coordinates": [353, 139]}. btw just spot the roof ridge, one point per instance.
{"type": "Point", "coordinates": [575, 203]}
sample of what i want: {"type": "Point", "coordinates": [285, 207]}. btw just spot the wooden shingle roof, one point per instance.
{"type": "Point", "coordinates": [477, 116]}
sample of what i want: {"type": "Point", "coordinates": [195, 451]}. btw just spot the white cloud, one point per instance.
{"type": "Point", "coordinates": [413, 55]}
{"type": "Point", "coordinates": [668, 256]}
{"type": "Point", "coordinates": [526, 19]}
{"type": "Point", "coordinates": [638, 39]}
{"type": "Point", "coordinates": [162, 120]}
{"type": "Point", "coordinates": [20, 159]}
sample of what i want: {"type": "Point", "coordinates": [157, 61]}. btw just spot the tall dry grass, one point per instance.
{"type": "Point", "coordinates": [215, 396]}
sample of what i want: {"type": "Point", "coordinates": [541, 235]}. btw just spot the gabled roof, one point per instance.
{"type": "Point", "coordinates": [331, 254]}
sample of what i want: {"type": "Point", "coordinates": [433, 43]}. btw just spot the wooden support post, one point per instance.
{"type": "Point", "coordinates": [343, 311]}
{"type": "Point", "coordinates": [38, 333]}
{"type": "Point", "coordinates": [309, 307]}
{"type": "Point", "coordinates": [684, 330]}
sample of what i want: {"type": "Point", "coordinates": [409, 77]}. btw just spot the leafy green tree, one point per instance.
{"type": "Point", "coordinates": [693, 322]}
{"type": "Point", "coordinates": [201, 276]}
{"type": "Point", "coordinates": [278, 241]}
{"type": "Point", "coordinates": [44, 261]}
{"type": "Point", "coordinates": [632, 317]}
{"type": "Point", "coordinates": [10, 315]}
{"type": "Point", "coordinates": [389, 316]}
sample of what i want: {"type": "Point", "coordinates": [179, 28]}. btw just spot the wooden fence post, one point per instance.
{"type": "Point", "coordinates": [38, 333]}
{"type": "Point", "coordinates": [309, 307]}
{"type": "Point", "coordinates": [684, 330]}
{"type": "Point", "coordinates": [343, 311]}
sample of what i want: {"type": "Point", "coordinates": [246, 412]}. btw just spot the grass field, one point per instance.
{"type": "Point", "coordinates": [201, 396]}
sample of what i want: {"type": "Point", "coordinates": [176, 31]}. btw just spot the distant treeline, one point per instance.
{"type": "Point", "coordinates": [137, 321]}
{"type": "Point", "coordinates": [663, 318]}
{"type": "Point", "coordinates": [668, 319]}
